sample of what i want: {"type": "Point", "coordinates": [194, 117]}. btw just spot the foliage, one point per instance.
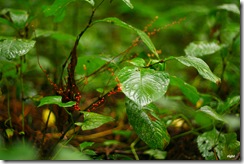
{"type": "Point", "coordinates": [73, 85]}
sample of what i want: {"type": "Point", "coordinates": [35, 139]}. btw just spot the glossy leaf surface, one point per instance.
{"type": "Point", "coordinates": [202, 68]}
{"type": "Point", "coordinates": [55, 100]}
{"type": "Point", "coordinates": [147, 125]}
{"type": "Point", "coordinates": [201, 48]}
{"type": "Point", "coordinates": [143, 86]}
{"type": "Point", "coordinates": [93, 120]}
{"type": "Point", "coordinates": [12, 48]}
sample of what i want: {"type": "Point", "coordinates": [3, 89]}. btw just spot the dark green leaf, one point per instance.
{"type": "Point", "coordinates": [128, 3]}
{"type": "Point", "coordinates": [191, 93]}
{"type": "Point", "coordinates": [201, 48]}
{"type": "Point", "coordinates": [188, 90]}
{"type": "Point", "coordinates": [5, 21]}
{"type": "Point", "coordinates": [147, 126]}
{"type": "Point", "coordinates": [144, 37]}
{"type": "Point", "coordinates": [55, 100]}
{"type": "Point", "coordinates": [226, 146]}
{"type": "Point", "coordinates": [202, 68]}
{"type": "Point", "coordinates": [93, 120]}
{"type": "Point", "coordinates": [143, 86]}
{"type": "Point", "coordinates": [12, 48]}
{"type": "Point", "coordinates": [225, 106]}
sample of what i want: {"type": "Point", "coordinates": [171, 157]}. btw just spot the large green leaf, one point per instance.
{"type": "Point", "coordinates": [93, 120]}
{"type": "Point", "coordinates": [201, 48]}
{"type": "Point", "coordinates": [213, 143]}
{"type": "Point", "coordinates": [144, 37]}
{"type": "Point", "coordinates": [143, 86]}
{"type": "Point", "coordinates": [202, 68]}
{"type": "Point", "coordinates": [147, 125]}
{"type": "Point", "coordinates": [12, 48]}
{"type": "Point", "coordinates": [55, 100]}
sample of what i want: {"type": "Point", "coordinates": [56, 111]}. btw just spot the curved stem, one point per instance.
{"type": "Point", "coordinates": [132, 146]}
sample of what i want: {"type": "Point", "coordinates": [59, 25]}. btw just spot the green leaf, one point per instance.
{"type": "Point", "coordinates": [201, 48]}
{"type": "Point", "coordinates": [91, 2]}
{"type": "Point", "coordinates": [54, 34]}
{"type": "Point", "coordinates": [206, 142]}
{"type": "Point", "coordinates": [144, 37]}
{"type": "Point", "coordinates": [147, 126]}
{"type": "Point", "coordinates": [231, 101]}
{"type": "Point", "coordinates": [18, 17]}
{"type": "Point", "coordinates": [125, 133]}
{"type": "Point", "coordinates": [91, 63]}
{"type": "Point", "coordinates": [12, 48]}
{"type": "Point", "coordinates": [57, 9]}
{"type": "Point", "coordinates": [202, 68]}
{"type": "Point", "coordinates": [19, 151]}
{"type": "Point", "coordinates": [188, 90]}
{"type": "Point", "coordinates": [157, 154]}
{"type": "Point", "coordinates": [55, 100]}
{"type": "Point", "coordinates": [143, 86]}
{"type": "Point", "coordinates": [210, 112]}
{"type": "Point", "coordinates": [64, 152]}
{"type": "Point", "coordinates": [84, 145]}
{"type": "Point", "coordinates": [5, 21]}
{"type": "Point", "coordinates": [226, 146]}
{"type": "Point", "coordinates": [128, 3]}
{"type": "Point", "coordinates": [230, 7]}
{"type": "Point", "coordinates": [93, 120]}
{"type": "Point", "coordinates": [138, 62]}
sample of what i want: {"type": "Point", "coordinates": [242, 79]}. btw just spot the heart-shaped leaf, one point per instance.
{"type": "Point", "coordinates": [147, 125]}
{"type": "Point", "coordinates": [143, 86]}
